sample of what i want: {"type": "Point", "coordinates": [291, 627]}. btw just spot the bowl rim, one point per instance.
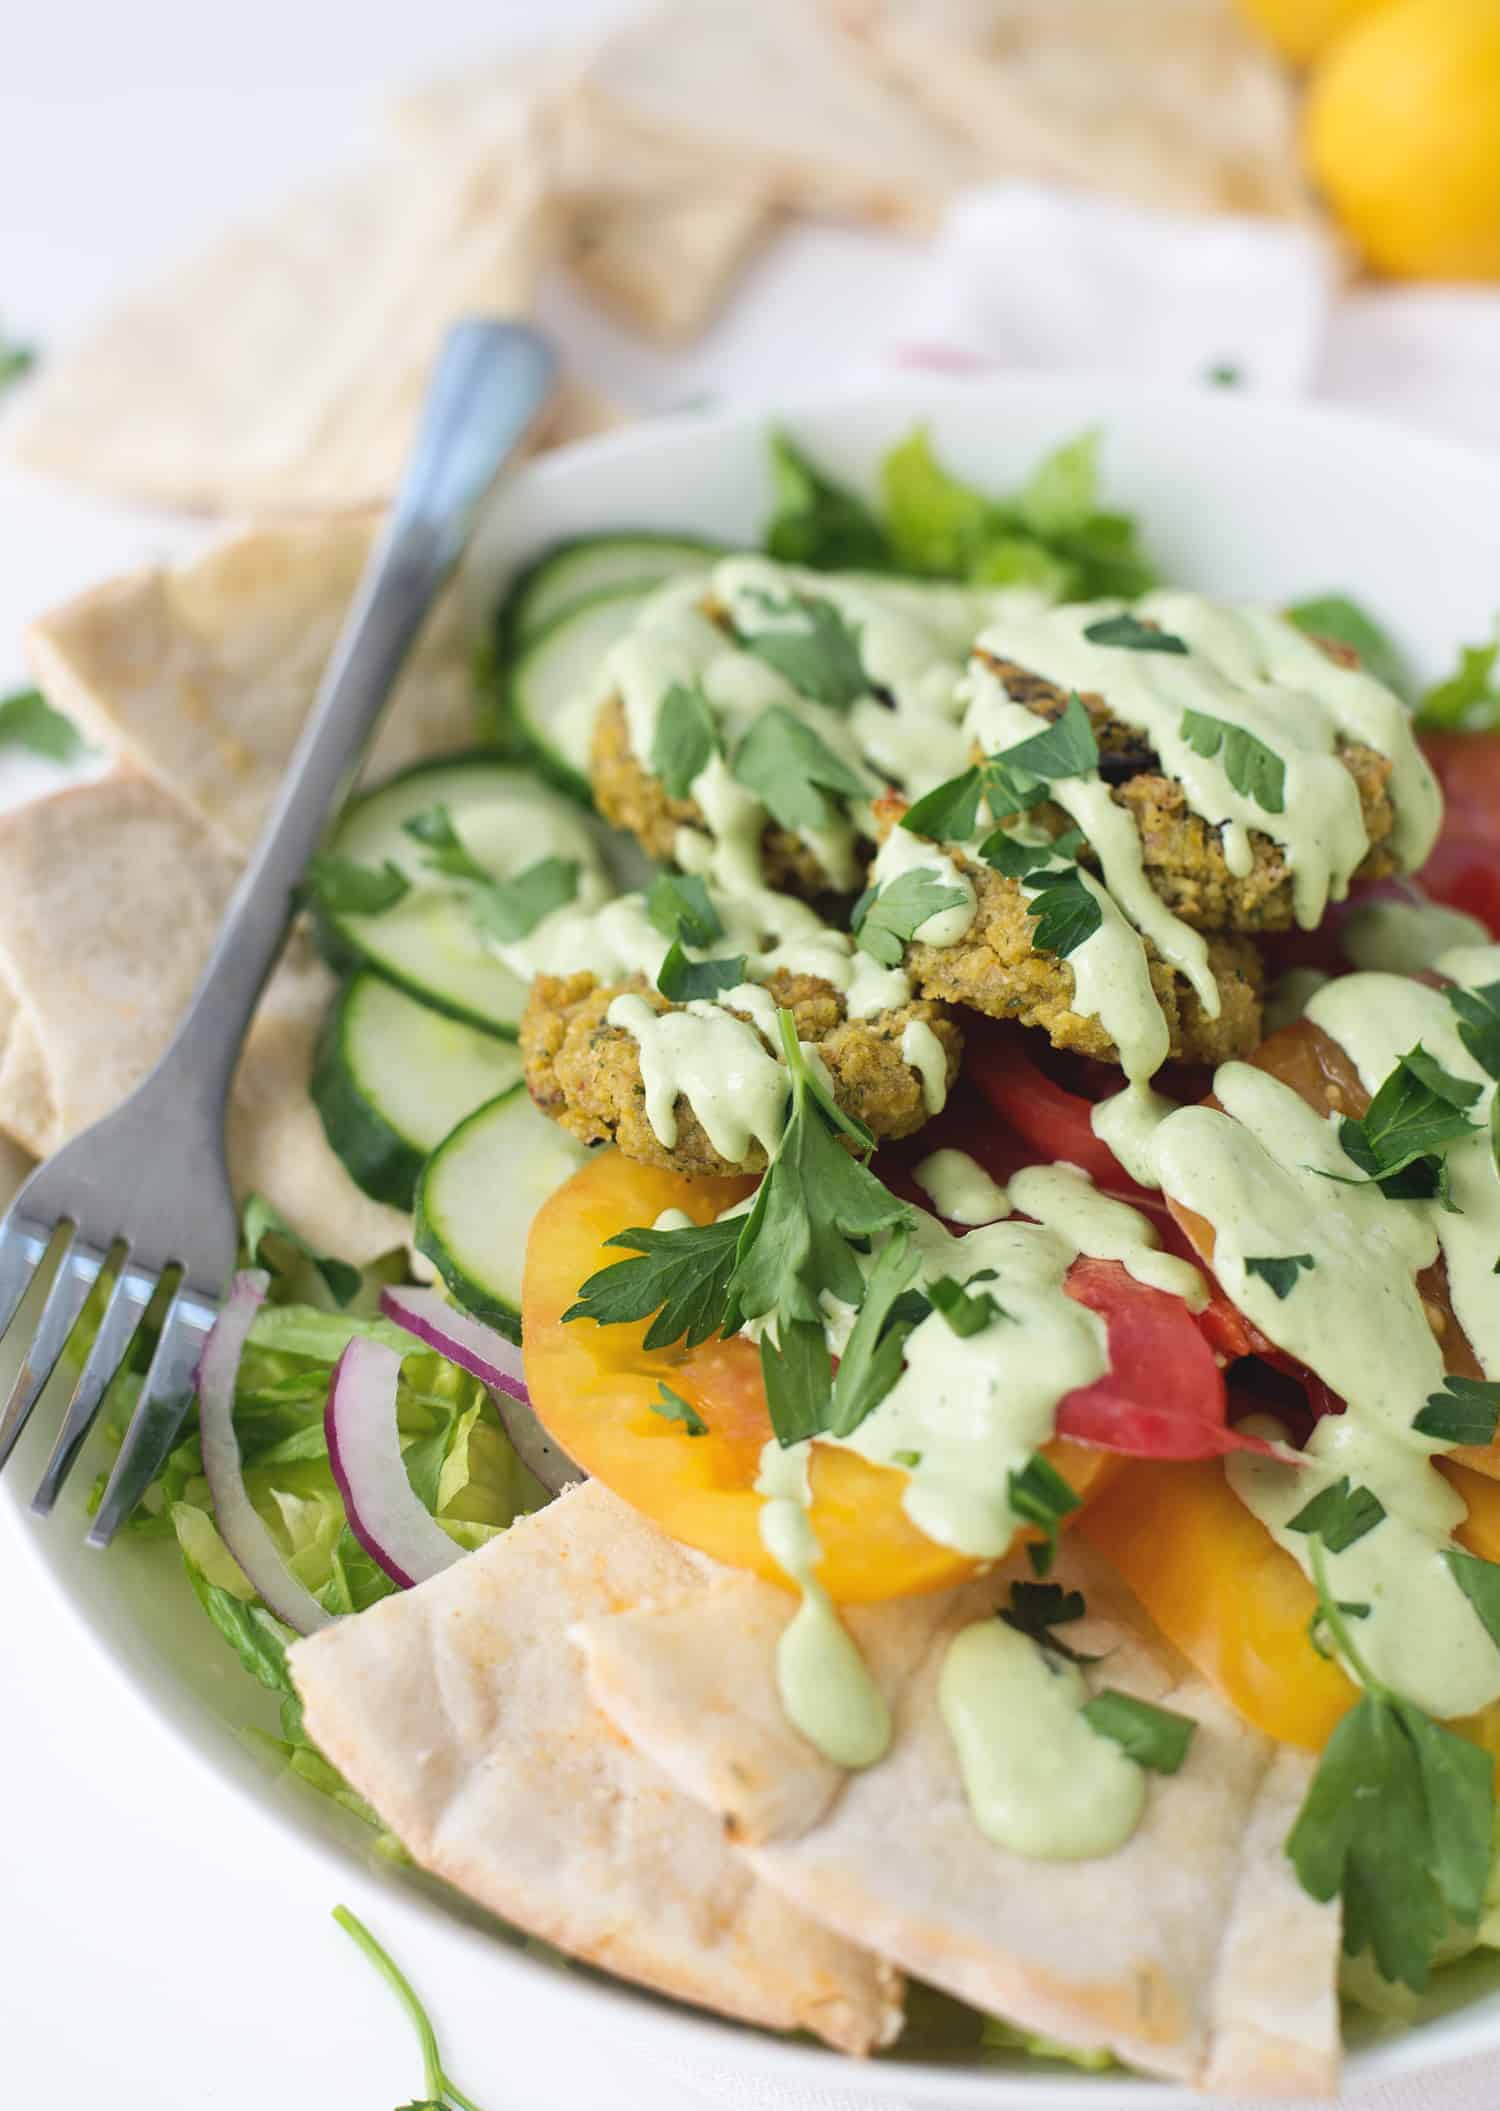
{"type": "Point", "coordinates": [633, 2013]}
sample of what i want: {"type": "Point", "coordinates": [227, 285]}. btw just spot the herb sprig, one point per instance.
{"type": "Point", "coordinates": [794, 773]}
{"type": "Point", "coordinates": [1419, 1110]}
{"type": "Point", "coordinates": [885, 919]}
{"type": "Point", "coordinates": [1013, 780]}
{"type": "Point", "coordinates": [817, 651]}
{"type": "Point", "coordinates": [441, 2093]}
{"type": "Point", "coordinates": [1256, 771]}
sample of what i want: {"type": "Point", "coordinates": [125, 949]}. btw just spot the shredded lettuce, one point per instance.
{"type": "Point", "coordinates": [1469, 700]}
{"type": "Point", "coordinates": [1051, 534]}
{"type": "Point", "coordinates": [999, 2036]}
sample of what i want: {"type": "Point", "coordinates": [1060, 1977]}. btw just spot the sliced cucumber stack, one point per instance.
{"type": "Point", "coordinates": [557, 626]}
{"type": "Point", "coordinates": [427, 942]}
{"type": "Point", "coordinates": [392, 1078]}
{"type": "Point", "coordinates": [477, 1196]}
{"type": "Point", "coordinates": [589, 565]}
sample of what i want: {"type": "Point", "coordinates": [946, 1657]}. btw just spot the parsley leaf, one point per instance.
{"type": "Point", "coordinates": [673, 1408]}
{"type": "Point", "coordinates": [1018, 861]}
{"type": "Point", "coordinates": [1013, 780]}
{"type": "Point", "coordinates": [817, 522]}
{"type": "Point", "coordinates": [685, 740]}
{"type": "Point", "coordinates": [435, 831]}
{"type": "Point", "coordinates": [1336, 616]}
{"type": "Point", "coordinates": [873, 1355]}
{"type": "Point", "coordinates": [511, 909]}
{"type": "Point", "coordinates": [1035, 1609]}
{"type": "Point", "coordinates": [1067, 912]}
{"type": "Point", "coordinates": [27, 720]}
{"type": "Point", "coordinates": [1135, 636]}
{"type": "Point", "coordinates": [1464, 1412]}
{"type": "Point", "coordinates": [678, 904]}
{"type": "Point", "coordinates": [683, 980]}
{"type": "Point", "coordinates": [681, 1276]}
{"type": "Point", "coordinates": [949, 813]}
{"type": "Point", "coordinates": [819, 655]}
{"type": "Point", "coordinates": [1417, 1112]}
{"type": "Point", "coordinates": [965, 1314]}
{"type": "Point", "coordinates": [1479, 1022]}
{"type": "Point", "coordinates": [346, 888]}
{"type": "Point", "coordinates": [1153, 1737]}
{"type": "Point", "coordinates": [885, 918]}
{"type": "Point", "coordinates": [1256, 771]}
{"type": "Point", "coordinates": [1469, 701]}
{"type": "Point", "coordinates": [798, 1374]}
{"type": "Point", "coordinates": [1480, 1583]}
{"type": "Point", "coordinates": [1039, 1495]}
{"type": "Point", "coordinates": [1398, 1822]}
{"type": "Point", "coordinates": [1339, 1514]}
{"type": "Point", "coordinates": [1278, 1271]}
{"type": "Point", "coordinates": [795, 775]}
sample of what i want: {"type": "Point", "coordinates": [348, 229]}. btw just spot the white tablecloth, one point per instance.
{"type": "Point", "coordinates": [163, 1947]}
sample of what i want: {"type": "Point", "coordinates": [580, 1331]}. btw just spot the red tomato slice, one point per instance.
{"type": "Point", "coordinates": [1052, 1120]}
{"type": "Point", "coordinates": [1163, 1396]}
{"type": "Point", "coordinates": [1464, 869]}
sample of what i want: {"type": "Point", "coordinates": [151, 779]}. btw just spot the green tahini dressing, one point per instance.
{"type": "Point", "coordinates": [1038, 1778]}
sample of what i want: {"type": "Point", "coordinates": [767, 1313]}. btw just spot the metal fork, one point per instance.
{"type": "Point", "coordinates": [145, 1193]}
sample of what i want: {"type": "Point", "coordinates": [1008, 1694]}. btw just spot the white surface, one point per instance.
{"type": "Point", "coordinates": [165, 1942]}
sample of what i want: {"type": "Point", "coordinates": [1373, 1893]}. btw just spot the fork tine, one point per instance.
{"type": "Point", "coordinates": [76, 1273]}
{"type": "Point", "coordinates": [128, 1300]}
{"type": "Point", "coordinates": [21, 1254]}
{"type": "Point", "coordinates": [159, 1414]}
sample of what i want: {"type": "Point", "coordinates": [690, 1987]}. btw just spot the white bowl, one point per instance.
{"type": "Point", "coordinates": [1238, 497]}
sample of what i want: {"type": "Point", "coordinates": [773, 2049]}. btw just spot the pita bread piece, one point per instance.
{"type": "Point", "coordinates": [1189, 111]}
{"type": "Point", "coordinates": [1190, 1953]}
{"type": "Point", "coordinates": [460, 1712]}
{"type": "Point", "coordinates": [769, 94]}
{"type": "Point", "coordinates": [201, 674]}
{"type": "Point", "coordinates": [665, 267]}
{"type": "Point", "coordinates": [283, 368]}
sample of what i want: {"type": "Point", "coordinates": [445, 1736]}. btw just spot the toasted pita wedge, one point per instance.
{"type": "Point", "coordinates": [1191, 1952]}
{"type": "Point", "coordinates": [283, 369]}
{"type": "Point", "coordinates": [1192, 114]}
{"type": "Point", "coordinates": [666, 267]}
{"type": "Point", "coordinates": [201, 674]}
{"type": "Point", "coordinates": [459, 1711]}
{"type": "Point", "coordinates": [770, 94]}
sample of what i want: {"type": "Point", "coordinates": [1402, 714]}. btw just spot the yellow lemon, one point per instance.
{"type": "Point", "coordinates": [1301, 29]}
{"type": "Point", "coordinates": [1402, 130]}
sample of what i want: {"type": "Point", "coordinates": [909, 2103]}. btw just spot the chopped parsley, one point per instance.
{"type": "Point", "coordinates": [1040, 1496]}
{"type": "Point", "coordinates": [673, 1408]}
{"type": "Point", "coordinates": [511, 909]}
{"type": "Point", "coordinates": [1013, 780]}
{"type": "Point", "coordinates": [885, 918]}
{"type": "Point", "coordinates": [1158, 1738]}
{"type": "Point", "coordinates": [1336, 616]}
{"type": "Point", "coordinates": [1399, 1820]}
{"type": "Point", "coordinates": [1478, 1022]}
{"type": "Point", "coordinates": [1480, 1583]}
{"type": "Point", "coordinates": [1464, 1412]}
{"type": "Point", "coordinates": [683, 980]}
{"type": "Point", "coordinates": [1067, 910]}
{"type": "Point", "coordinates": [686, 738]}
{"type": "Point", "coordinates": [1036, 1609]}
{"type": "Point", "coordinates": [27, 720]}
{"type": "Point", "coordinates": [681, 1276]}
{"type": "Point", "coordinates": [1134, 635]}
{"type": "Point", "coordinates": [793, 772]}
{"type": "Point", "coordinates": [1256, 771]}
{"type": "Point", "coordinates": [1419, 1110]}
{"type": "Point", "coordinates": [435, 831]}
{"type": "Point", "coordinates": [1278, 1271]}
{"type": "Point", "coordinates": [1339, 1515]}
{"type": "Point", "coordinates": [818, 653]}
{"type": "Point", "coordinates": [873, 1355]}
{"type": "Point", "coordinates": [678, 904]}
{"type": "Point", "coordinates": [1018, 861]}
{"type": "Point", "coordinates": [344, 887]}
{"type": "Point", "coordinates": [965, 1313]}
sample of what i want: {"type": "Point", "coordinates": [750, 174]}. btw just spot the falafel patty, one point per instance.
{"type": "Point", "coordinates": [586, 1073]}
{"type": "Point", "coordinates": [1183, 853]}
{"type": "Point", "coordinates": [995, 969]}
{"type": "Point", "coordinates": [630, 797]}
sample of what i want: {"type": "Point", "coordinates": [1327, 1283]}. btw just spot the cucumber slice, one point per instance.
{"type": "Point", "coordinates": [392, 1078]}
{"type": "Point", "coordinates": [587, 565]}
{"type": "Point", "coordinates": [556, 684]}
{"type": "Point", "coordinates": [428, 943]}
{"type": "Point", "coordinates": [477, 1196]}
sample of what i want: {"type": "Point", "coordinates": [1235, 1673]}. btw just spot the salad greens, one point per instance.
{"type": "Point", "coordinates": [1337, 617]}
{"type": "Point", "coordinates": [28, 721]}
{"type": "Point", "coordinates": [1051, 534]}
{"type": "Point", "coordinates": [442, 2094]}
{"type": "Point", "coordinates": [1469, 700]}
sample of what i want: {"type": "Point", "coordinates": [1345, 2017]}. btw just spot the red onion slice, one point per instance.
{"type": "Point", "coordinates": [480, 1350]}
{"type": "Point", "coordinates": [240, 1525]}
{"type": "Point", "coordinates": [364, 1450]}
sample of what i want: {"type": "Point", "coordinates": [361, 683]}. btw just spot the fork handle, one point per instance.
{"type": "Point", "coordinates": [490, 380]}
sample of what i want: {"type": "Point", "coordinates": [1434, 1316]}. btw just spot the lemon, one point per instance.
{"type": "Point", "coordinates": [1301, 29]}
{"type": "Point", "coordinates": [1402, 130]}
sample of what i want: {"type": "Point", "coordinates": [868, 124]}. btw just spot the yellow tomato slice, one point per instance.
{"type": "Point", "coordinates": [1236, 1604]}
{"type": "Point", "coordinates": [593, 1387]}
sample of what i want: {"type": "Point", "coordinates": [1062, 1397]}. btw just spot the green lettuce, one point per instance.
{"type": "Point", "coordinates": [1469, 700]}
{"type": "Point", "coordinates": [1336, 616]}
{"type": "Point", "coordinates": [817, 522]}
